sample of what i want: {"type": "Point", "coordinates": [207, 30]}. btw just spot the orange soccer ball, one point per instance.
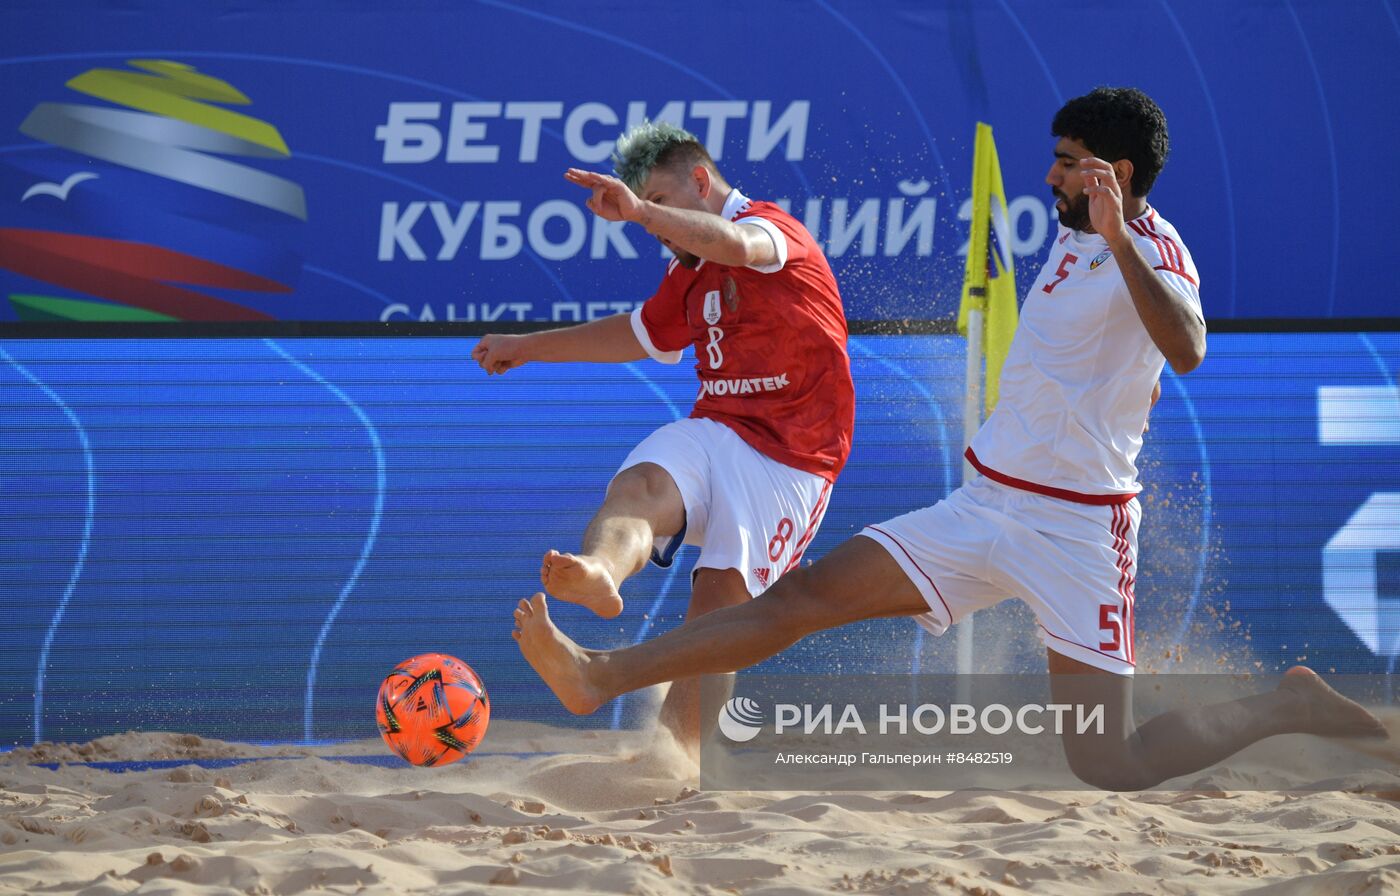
{"type": "Point", "coordinates": [432, 709]}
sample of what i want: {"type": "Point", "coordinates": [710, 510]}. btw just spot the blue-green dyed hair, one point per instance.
{"type": "Point", "coordinates": [656, 144]}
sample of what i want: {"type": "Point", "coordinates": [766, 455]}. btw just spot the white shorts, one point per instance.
{"type": "Point", "coordinates": [744, 510]}
{"type": "Point", "coordinates": [1073, 564]}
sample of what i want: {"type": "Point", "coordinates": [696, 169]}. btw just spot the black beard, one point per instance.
{"type": "Point", "coordinates": [687, 260]}
{"type": "Point", "coordinates": [1076, 213]}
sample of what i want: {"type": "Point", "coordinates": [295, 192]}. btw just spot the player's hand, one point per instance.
{"type": "Point", "coordinates": [1105, 198]}
{"type": "Point", "coordinates": [497, 354]}
{"type": "Point", "coordinates": [611, 199]}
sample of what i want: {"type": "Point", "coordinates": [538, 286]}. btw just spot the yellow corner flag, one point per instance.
{"type": "Point", "coordinates": [989, 284]}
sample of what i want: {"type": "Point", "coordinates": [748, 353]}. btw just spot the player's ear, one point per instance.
{"type": "Point", "coordinates": [1123, 173]}
{"type": "Point", "coordinates": [704, 182]}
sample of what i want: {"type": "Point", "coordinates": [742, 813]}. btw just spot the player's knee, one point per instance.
{"type": "Point", "coordinates": [643, 484]}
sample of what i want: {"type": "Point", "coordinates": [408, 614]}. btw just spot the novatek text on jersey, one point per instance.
{"type": "Point", "coordinates": [744, 386]}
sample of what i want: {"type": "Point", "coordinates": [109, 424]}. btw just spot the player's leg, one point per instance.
{"type": "Point", "coordinates": [1128, 756]}
{"type": "Point", "coordinates": [681, 712]}
{"type": "Point", "coordinates": [1075, 565]}
{"type": "Point", "coordinates": [760, 517]}
{"type": "Point", "coordinates": [642, 502]}
{"type": "Point", "coordinates": [858, 580]}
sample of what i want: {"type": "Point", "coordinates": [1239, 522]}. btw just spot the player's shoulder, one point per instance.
{"type": "Point", "coordinates": [776, 215]}
{"type": "Point", "coordinates": [761, 208]}
{"type": "Point", "coordinates": [1152, 231]}
{"type": "Point", "coordinates": [769, 211]}
{"type": "Point", "coordinates": [1158, 240]}
{"type": "Point", "coordinates": [1150, 227]}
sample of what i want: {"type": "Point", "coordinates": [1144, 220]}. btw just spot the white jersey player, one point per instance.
{"type": "Point", "coordinates": [1058, 456]}
{"type": "Point", "coordinates": [1053, 518]}
{"type": "Point", "coordinates": [1078, 379]}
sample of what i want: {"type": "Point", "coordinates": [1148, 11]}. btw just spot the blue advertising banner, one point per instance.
{"type": "Point", "coordinates": [402, 162]}
{"type": "Point", "coordinates": [240, 538]}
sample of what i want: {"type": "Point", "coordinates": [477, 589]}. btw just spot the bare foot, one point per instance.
{"type": "Point", "coordinates": [1328, 713]}
{"type": "Point", "coordinates": [559, 661]}
{"type": "Point", "coordinates": [581, 579]}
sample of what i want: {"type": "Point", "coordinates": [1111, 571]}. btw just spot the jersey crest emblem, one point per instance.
{"type": "Point", "coordinates": [731, 294]}
{"type": "Point", "coordinates": [712, 309]}
{"type": "Point", "coordinates": [1099, 259]}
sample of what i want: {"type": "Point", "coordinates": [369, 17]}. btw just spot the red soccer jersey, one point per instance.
{"type": "Point", "coordinates": [770, 347]}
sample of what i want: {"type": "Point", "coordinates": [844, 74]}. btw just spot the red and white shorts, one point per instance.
{"type": "Point", "coordinates": [1073, 564]}
{"type": "Point", "coordinates": [744, 510]}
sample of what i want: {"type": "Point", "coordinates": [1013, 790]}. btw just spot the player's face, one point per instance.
{"type": "Point", "coordinates": [1067, 183]}
{"type": "Point", "coordinates": [674, 189]}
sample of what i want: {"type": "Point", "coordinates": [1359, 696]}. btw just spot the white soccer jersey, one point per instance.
{"type": "Point", "coordinates": [1077, 384]}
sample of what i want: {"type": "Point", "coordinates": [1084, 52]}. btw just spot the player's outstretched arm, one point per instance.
{"type": "Point", "coordinates": [700, 233]}
{"type": "Point", "coordinates": [606, 340]}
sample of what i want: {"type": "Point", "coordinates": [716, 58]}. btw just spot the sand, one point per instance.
{"type": "Point", "coordinates": [617, 812]}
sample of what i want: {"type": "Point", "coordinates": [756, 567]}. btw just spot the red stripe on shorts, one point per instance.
{"type": "Point", "coordinates": [916, 565]}
{"type": "Point", "coordinates": [813, 521]}
{"type": "Point", "coordinates": [1122, 524]}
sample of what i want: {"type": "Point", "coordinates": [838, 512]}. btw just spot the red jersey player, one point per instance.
{"type": "Point", "coordinates": [747, 477]}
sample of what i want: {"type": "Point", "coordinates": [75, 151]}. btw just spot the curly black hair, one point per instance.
{"type": "Point", "coordinates": [1118, 123]}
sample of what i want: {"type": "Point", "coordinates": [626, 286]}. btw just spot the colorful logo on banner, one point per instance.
{"type": "Point", "coordinates": [139, 209]}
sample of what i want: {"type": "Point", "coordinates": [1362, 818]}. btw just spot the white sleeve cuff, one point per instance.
{"type": "Point", "coordinates": [1183, 287]}
{"type": "Point", "coordinates": [640, 330]}
{"type": "Point", "coordinates": [779, 244]}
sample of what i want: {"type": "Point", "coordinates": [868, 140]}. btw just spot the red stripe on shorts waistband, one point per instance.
{"type": "Point", "coordinates": [1063, 494]}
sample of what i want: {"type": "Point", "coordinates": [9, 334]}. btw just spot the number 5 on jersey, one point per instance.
{"type": "Point", "coordinates": [1062, 271]}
